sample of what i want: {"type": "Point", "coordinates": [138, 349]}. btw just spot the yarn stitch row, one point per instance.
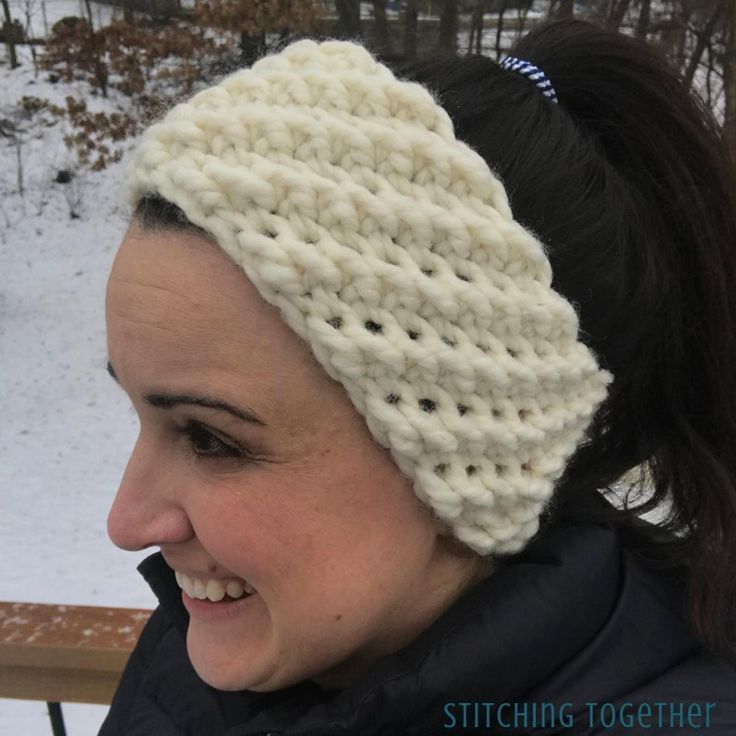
{"type": "Point", "coordinates": [390, 248]}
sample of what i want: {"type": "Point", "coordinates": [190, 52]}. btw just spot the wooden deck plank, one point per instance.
{"type": "Point", "coordinates": [65, 653]}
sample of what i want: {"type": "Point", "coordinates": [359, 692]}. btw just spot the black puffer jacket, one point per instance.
{"type": "Point", "coordinates": [573, 620]}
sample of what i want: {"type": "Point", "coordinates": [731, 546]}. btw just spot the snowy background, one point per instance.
{"type": "Point", "coordinates": [67, 428]}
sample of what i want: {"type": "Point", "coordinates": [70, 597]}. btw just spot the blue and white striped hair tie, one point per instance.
{"type": "Point", "coordinates": [534, 73]}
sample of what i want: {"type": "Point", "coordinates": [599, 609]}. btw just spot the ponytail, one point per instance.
{"type": "Point", "coordinates": [627, 181]}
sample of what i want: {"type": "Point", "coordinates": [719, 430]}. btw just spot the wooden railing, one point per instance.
{"type": "Point", "coordinates": [59, 653]}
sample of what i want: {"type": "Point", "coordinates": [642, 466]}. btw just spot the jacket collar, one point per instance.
{"type": "Point", "coordinates": [570, 591]}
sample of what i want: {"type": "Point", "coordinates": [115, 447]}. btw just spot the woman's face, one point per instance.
{"type": "Point", "coordinates": [300, 502]}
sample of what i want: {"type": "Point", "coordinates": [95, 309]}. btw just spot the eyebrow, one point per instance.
{"type": "Point", "coordinates": [167, 401]}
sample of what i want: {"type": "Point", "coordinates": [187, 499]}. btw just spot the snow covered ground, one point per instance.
{"type": "Point", "coordinates": [66, 429]}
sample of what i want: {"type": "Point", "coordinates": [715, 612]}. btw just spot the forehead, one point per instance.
{"type": "Point", "coordinates": [185, 278]}
{"type": "Point", "coordinates": [178, 309]}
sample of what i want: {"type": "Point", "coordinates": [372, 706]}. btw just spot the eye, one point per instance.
{"type": "Point", "coordinates": [205, 442]}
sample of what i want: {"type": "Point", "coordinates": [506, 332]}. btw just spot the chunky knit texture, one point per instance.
{"type": "Point", "coordinates": [390, 248]}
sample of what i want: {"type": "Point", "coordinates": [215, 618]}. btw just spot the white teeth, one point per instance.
{"type": "Point", "coordinates": [199, 590]}
{"type": "Point", "coordinates": [187, 585]}
{"type": "Point", "coordinates": [235, 589]}
{"type": "Point", "coordinates": [215, 590]}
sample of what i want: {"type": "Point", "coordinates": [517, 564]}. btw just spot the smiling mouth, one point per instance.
{"type": "Point", "coordinates": [214, 591]}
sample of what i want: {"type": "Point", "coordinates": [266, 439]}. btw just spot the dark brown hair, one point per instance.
{"type": "Point", "coordinates": [627, 183]}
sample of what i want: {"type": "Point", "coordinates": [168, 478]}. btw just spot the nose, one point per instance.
{"type": "Point", "coordinates": [146, 511]}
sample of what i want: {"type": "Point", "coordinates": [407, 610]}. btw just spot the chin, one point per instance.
{"type": "Point", "coordinates": [216, 678]}
{"type": "Point", "coordinates": [218, 672]}
{"type": "Point", "coordinates": [233, 682]}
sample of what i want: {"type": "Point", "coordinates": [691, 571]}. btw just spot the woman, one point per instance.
{"type": "Point", "coordinates": [375, 432]}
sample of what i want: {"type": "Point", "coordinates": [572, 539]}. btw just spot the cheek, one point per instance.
{"type": "Point", "coordinates": [254, 529]}
{"type": "Point", "coordinates": [341, 540]}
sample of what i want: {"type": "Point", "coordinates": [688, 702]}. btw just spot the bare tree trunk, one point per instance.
{"type": "Point", "coordinates": [523, 12]}
{"type": "Point", "coordinates": [709, 77]}
{"type": "Point", "coordinates": [101, 74]}
{"type": "Point", "coordinates": [729, 80]}
{"type": "Point", "coordinates": [251, 47]}
{"type": "Point", "coordinates": [565, 9]}
{"type": "Point", "coordinates": [703, 38]}
{"type": "Point", "coordinates": [19, 171]}
{"type": "Point", "coordinates": [89, 15]}
{"type": "Point", "coordinates": [410, 29]}
{"type": "Point", "coordinates": [28, 33]}
{"type": "Point", "coordinates": [383, 38]}
{"type": "Point", "coordinates": [448, 28]}
{"type": "Point", "coordinates": [642, 25]}
{"type": "Point", "coordinates": [682, 38]}
{"type": "Point", "coordinates": [476, 27]}
{"type": "Point", "coordinates": [499, 28]}
{"type": "Point", "coordinates": [616, 13]}
{"type": "Point", "coordinates": [348, 13]}
{"type": "Point", "coordinates": [9, 38]}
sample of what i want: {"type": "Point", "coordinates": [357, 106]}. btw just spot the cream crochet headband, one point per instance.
{"type": "Point", "coordinates": [390, 248]}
